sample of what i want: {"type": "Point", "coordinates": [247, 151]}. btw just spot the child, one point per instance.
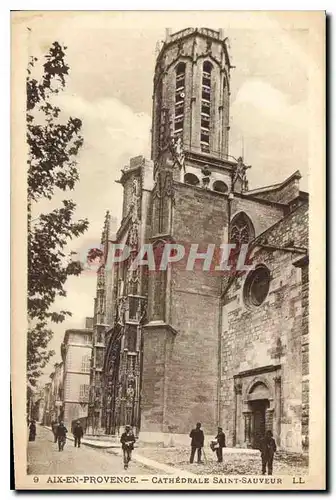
{"type": "Point", "coordinates": [220, 438]}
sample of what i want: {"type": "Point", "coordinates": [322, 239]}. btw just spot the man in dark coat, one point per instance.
{"type": "Point", "coordinates": [220, 438]}
{"type": "Point", "coordinates": [61, 436]}
{"type": "Point", "coordinates": [267, 448]}
{"type": "Point", "coordinates": [197, 443]}
{"type": "Point", "coordinates": [127, 440]}
{"type": "Point", "coordinates": [78, 433]}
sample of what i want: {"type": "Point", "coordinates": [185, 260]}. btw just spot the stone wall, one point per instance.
{"type": "Point", "coordinates": [153, 378]}
{"type": "Point", "coordinates": [269, 335]}
{"type": "Point", "coordinates": [180, 360]}
{"type": "Point", "coordinates": [292, 229]}
{"type": "Point", "coordinates": [305, 357]}
{"type": "Point", "coordinates": [201, 217]}
{"type": "Point", "coordinates": [262, 214]}
{"type": "Point", "coordinates": [181, 365]}
{"type": "Point", "coordinates": [265, 335]}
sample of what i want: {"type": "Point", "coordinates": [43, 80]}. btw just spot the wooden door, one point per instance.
{"type": "Point", "coordinates": [259, 421]}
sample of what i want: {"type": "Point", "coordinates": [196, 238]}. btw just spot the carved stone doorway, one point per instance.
{"type": "Point", "coordinates": [257, 405]}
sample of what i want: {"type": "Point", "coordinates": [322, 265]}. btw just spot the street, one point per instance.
{"type": "Point", "coordinates": [44, 458]}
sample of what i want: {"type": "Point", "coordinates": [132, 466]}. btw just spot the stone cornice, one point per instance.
{"type": "Point", "coordinates": [160, 325]}
{"type": "Point", "coordinates": [213, 161]}
{"type": "Point", "coordinates": [258, 371]}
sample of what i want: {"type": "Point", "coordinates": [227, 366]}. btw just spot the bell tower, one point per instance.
{"type": "Point", "coordinates": [189, 206]}
{"type": "Point", "coordinates": [192, 85]}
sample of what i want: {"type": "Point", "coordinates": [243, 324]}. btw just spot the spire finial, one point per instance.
{"type": "Point", "coordinates": [106, 228]}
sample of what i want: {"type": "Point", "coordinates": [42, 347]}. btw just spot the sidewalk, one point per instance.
{"type": "Point", "coordinates": [115, 449]}
{"type": "Point", "coordinates": [94, 443]}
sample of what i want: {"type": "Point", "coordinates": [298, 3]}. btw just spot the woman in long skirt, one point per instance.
{"type": "Point", "coordinates": [32, 431]}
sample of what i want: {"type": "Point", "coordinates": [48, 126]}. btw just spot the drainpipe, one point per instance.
{"type": "Point", "coordinates": [220, 323]}
{"type": "Point", "coordinates": [219, 366]}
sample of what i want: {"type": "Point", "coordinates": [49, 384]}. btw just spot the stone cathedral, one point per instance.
{"type": "Point", "coordinates": [177, 346]}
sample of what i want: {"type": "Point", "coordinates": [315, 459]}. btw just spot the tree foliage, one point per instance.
{"type": "Point", "coordinates": [54, 143]}
{"type": "Point", "coordinates": [38, 353]}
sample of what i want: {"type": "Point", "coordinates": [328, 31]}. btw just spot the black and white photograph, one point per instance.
{"type": "Point", "coordinates": [169, 204]}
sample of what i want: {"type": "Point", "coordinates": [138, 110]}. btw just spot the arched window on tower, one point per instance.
{"type": "Point", "coordinates": [241, 229]}
{"type": "Point", "coordinates": [179, 98]}
{"type": "Point", "coordinates": [220, 187]}
{"type": "Point", "coordinates": [191, 179]}
{"type": "Point", "coordinates": [205, 107]}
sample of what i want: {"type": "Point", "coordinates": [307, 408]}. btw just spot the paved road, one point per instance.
{"type": "Point", "coordinates": [44, 458]}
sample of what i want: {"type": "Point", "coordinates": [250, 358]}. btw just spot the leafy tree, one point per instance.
{"type": "Point", "coordinates": [54, 143]}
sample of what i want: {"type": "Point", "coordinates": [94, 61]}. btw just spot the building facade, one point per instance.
{"type": "Point", "coordinates": [56, 392]}
{"type": "Point", "coordinates": [47, 404]}
{"type": "Point", "coordinates": [37, 406]}
{"type": "Point", "coordinates": [76, 352]}
{"type": "Point", "coordinates": [179, 346]}
{"type": "Point", "coordinates": [53, 409]}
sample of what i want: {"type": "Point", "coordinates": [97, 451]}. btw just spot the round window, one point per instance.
{"type": "Point", "coordinates": [257, 286]}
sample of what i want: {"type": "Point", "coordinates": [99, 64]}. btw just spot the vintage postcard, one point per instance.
{"type": "Point", "coordinates": [168, 213]}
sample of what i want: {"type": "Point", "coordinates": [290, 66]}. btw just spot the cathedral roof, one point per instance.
{"type": "Point", "coordinates": [289, 234]}
{"type": "Point", "coordinates": [274, 187]}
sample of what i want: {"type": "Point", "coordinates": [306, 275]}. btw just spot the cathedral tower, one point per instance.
{"type": "Point", "coordinates": [192, 84]}
{"type": "Point", "coordinates": [190, 206]}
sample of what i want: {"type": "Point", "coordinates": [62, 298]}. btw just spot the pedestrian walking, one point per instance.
{"type": "Point", "coordinates": [267, 448]}
{"type": "Point", "coordinates": [54, 426]}
{"type": "Point", "coordinates": [220, 440]}
{"type": "Point", "coordinates": [32, 431]}
{"type": "Point", "coordinates": [197, 443]}
{"type": "Point", "coordinates": [78, 433]}
{"type": "Point", "coordinates": [61, 436]}
{"type": "Point", "coordinates": [127, 440]}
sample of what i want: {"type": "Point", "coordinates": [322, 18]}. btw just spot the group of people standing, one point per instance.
{"type": "Point", "coordinates": [60, 434]}
{"type": "Point", "coordinates": [267, 447]}
{"type": "Point", "coordinates": [197, 443]}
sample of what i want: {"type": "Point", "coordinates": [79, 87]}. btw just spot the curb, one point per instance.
{"type": "Point", "coordinates": [89, 443]}
{"type": "Point", "coordinates": [98, 446]}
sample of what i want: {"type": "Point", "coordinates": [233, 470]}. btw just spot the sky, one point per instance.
{"type": "Point", "coordinates": [111, 58]}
